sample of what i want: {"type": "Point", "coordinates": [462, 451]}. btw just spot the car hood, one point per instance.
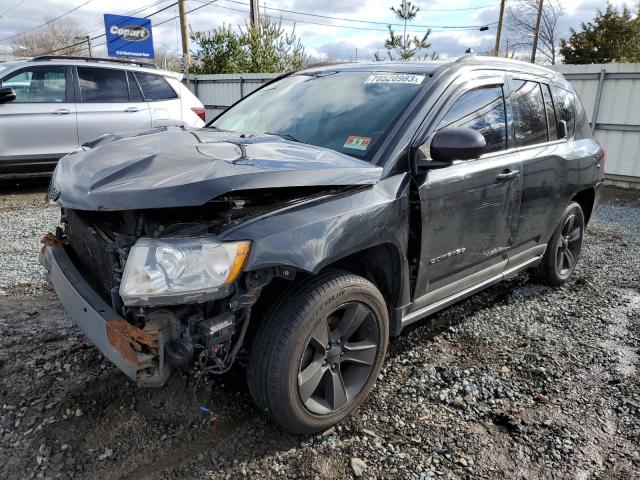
{"type": "Point", "coordinates": [181, 167]}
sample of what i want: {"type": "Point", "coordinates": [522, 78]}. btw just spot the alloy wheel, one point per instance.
{"type": "Point", "coordinates": [338, 358]}
{"type": "Point", "coordinates": [568, 246]}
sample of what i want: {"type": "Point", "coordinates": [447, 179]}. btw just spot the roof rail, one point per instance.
{"type": "Point", "coordinates": [93, 59]}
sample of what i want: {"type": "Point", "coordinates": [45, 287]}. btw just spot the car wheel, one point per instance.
{"type": "Point", "coordinates": [563, 250]}
{"type": "Point", "coordinates": [318, 351]}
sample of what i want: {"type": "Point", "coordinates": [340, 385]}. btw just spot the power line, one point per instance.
{"type": "Point", "coordinates": [169, 19]}
{"type": "Point", "coordinates": [295, 20]}
{"type": "Point", "coordinates": [296, 12]}
{"type": "Point", "coordinates": [431, 9]}
{"type": "Point", "coordinates": [104, 34]}
{"type": "Point", "coordinates": [12, 8]}
{"type": "Point", "coordinates": [48, 22]}
{"type": "Point", "coordinates": [98, 25]}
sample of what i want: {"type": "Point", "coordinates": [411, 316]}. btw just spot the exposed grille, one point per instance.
{"type": "Point", "coordinates": [88, 251]}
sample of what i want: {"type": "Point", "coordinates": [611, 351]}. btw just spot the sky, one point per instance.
{"type": "Point", "coordinates": [362, 32]}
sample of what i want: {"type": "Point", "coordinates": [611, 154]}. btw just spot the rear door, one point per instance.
{"type": "Point", "coordinates": [109, 102]}
{"type": "Point", "coordinates": [40, 124]}
{"type": "Point", "coordinates": [549, 164]}
{"type": "Point", "coordinates": [164, 101]}
{"type": "Point", "coordinates": [469, 209]}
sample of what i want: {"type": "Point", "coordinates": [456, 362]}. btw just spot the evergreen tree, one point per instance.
{"type": "Point", "coordinates": [612, 36]}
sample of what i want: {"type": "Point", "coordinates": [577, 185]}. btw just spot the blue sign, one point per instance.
{"type": "Point", "coordinates": [128, 36]}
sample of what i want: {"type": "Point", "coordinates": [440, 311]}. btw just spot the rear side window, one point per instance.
{"type": "Point", "coordinates": [103, 85]}
{"type": "Point", "coordinates": [480, 109]}
{"type": "Point", "coordinates": [38, 85]}
{"type": "Point", "coordinates": [530, 118]}
{"type": "Point", "coordinates": [565, 108]}
{"type": "Point", "coordinates": [155, 87]}
{"type": "Point", "coordinates": [551, 113]}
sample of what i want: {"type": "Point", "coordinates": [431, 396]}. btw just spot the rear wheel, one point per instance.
{"type": "Point", "coordinates": [318, 351]}
{"type": "Point", "coordinates": [563, 250]}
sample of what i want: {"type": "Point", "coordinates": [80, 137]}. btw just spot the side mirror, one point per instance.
{"type": "Point", "coordinates": [7, 94]}
{"type": "Point", "coordinates": [451, 144]}
{"type": "Point", "coordinates": [563, 130]}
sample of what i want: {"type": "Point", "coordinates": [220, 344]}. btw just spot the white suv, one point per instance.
{"type": "Point", "coordinates": [49, 106]}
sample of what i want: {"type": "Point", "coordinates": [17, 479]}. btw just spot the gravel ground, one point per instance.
{"type": "Point", "coordinates": [520, 381]}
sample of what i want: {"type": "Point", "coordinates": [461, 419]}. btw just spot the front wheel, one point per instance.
{"type": "Point", "coordinates": [318, 352]}
{"type": "Point", "coordinates": [563, 250]}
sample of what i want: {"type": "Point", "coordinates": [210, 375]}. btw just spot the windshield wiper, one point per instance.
{"type": "Point", "coordinates": [286, 136]}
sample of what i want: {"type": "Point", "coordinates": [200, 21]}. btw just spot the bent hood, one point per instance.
{"type": "Point", "coordinates": [181, 167]}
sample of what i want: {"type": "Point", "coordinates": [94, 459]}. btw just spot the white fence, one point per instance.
{"type": "Point", "coordinates": [610, 94]}
{"type": "Point", "coordinates": [217, 92]}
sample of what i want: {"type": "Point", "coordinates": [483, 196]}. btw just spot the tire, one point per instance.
{"type": "Point", "coordinates": [293, 377]}
{"type": "Point", "coordinates": [563, 249]}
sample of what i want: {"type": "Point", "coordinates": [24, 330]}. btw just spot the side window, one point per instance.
{"type": "Point", "coordinates": [481, 109]}
{"type": "Point", "coordinates": [155, 87]}
{"type": "Point", "coordinates": [134, 90]}
{"type": "Point", "coordinates": [38, 85]}
{"type": "Point", "coordinates": [103, 85]}
{"type": "Point", "coordinates": [530, 118]}
{"type": "Point", "coordinates": [565, 108]}
{"type": "Point", "coordinates": [551, 113]}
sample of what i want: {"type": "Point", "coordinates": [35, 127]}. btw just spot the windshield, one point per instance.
{"type": "Point", "coordinates": [345, 111]}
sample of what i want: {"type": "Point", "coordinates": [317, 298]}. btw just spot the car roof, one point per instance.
{"type": "Point", "coordinates": [430, 67]}
{"type": "Point", "coordinates": [95, 62]}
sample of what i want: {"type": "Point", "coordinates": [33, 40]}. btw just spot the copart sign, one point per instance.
{"type": "Point", "coordinates": [128, 36]}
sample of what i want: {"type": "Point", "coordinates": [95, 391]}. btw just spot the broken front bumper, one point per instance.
{"type": "Point", "coordinates": [138, 353]}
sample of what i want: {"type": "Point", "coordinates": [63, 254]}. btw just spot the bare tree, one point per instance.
{"type": "Point", "coordinates": [58, 37]}
{"type": "Point", "coordinates": [521, 22]}
{"type": "Point", "coordinates": [168, 59]}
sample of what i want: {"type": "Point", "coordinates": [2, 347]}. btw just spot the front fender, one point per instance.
{"type": "Point", "coordinates": [314, 236]}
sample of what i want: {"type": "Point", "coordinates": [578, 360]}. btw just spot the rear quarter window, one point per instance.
{"type": "Point", "coordinates": [155, 88]}
{"type": "Point", "coordinates": [565, 103]}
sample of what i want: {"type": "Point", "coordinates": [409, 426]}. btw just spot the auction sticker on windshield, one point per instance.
{"type": "Point", "coordinates": [357, 143]}
{"type": "Point", "coordinates": [395, 78]}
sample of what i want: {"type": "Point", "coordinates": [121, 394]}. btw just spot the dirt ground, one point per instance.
{"type": "Point", "coordinates": [520, 381]}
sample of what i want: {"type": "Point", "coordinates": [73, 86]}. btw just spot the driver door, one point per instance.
{"type": "Point", "coordinates": [470, 208]}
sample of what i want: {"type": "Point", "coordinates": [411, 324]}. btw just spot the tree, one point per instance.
{"type": "Point", "coordinates": [265, 48]}
{"type": "Point", "coordinates": [521, 24]}
{"type": "Point", "coordinates": [612, 36]}
{"type": "Point", "coordinates": [167, 59]}
{"type": "Point", "coordinates": [55, 38]}
{"type": "Point", "coordinates": [403, 46]}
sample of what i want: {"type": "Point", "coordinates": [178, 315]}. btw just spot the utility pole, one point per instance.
{"type": "Point", "coordinates": [87, 38]}
{"type": "Point", "coordinates": [185, 35]}
{"type": "Point", "coordinates": [496, 50]}
{"type": "Point", "coordinates": [254, 12]}
{"type": "Point", "coordinates": [536, 33]}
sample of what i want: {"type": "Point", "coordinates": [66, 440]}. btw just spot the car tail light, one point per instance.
{"type": "Point", "coordinates": [201, 112]}
{"type": "Point", "coordinates": [604, 155]}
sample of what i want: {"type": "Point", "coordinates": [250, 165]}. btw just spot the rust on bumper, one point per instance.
{"type": "Point", "coordinates": [137, 352]}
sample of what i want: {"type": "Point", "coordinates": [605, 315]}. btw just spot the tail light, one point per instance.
{"type": "Point", "coordinates": [604, 155]}
{"type": "Point", "coordinates": [201, 112]}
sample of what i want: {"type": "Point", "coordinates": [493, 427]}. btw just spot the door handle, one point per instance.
{"type": "Point", "coordinates": [507, 175]}
{"type": "Point", "coordinates": [131, 109]}
{"type": "Point", "coordinates": [62, 111]}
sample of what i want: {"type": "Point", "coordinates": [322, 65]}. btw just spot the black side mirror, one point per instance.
{"type": "Point", "coordinates": [451, 144]}
{"type": "Point", "coordinates": [563, 130]}
{"type": "Point", "coordinates": [7, 94]}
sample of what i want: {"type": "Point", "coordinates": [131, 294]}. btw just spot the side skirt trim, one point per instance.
{"type": "Point", "coordinates": [445, 302]}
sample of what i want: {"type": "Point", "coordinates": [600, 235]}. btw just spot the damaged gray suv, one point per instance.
{"type": "Point", "coordinates": [316, 218]}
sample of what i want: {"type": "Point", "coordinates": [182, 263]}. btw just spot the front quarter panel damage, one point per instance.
{"type": "Point", "coordinates": [315, 236]}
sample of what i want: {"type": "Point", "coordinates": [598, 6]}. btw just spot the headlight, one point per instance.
{"type": "Point", "coordinates": [177, 270]}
